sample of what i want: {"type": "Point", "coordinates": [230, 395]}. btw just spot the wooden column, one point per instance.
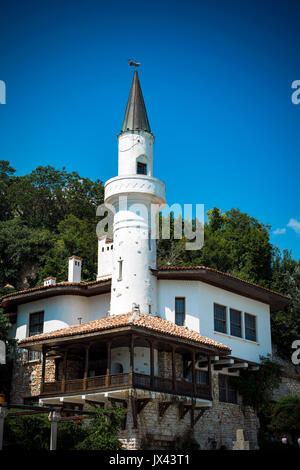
{"type": "Point", "coordinates": [108, 367]}
{"type": "Point", "coordinates": [56, 369]}
{"type": "Point", "coordinates": [43, 369]}
{"type": "Point", "coordinates": [131, 371]}
{"type": "Point", "coordinates": [209, 376]}
{"type": "Point", "coordinates": [64, 371]}
{"type": "Point", "coordinates": [86, 367]}
{"type": "Point", "coordinates": [193, 373]}
{"type": "Point", "coordinates": [173, 369]}
{"type": "Point", "coordinates": [151, 364]}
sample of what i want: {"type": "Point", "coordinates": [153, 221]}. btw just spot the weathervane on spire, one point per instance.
{"type": "Point", "coordinates": [132, 62]}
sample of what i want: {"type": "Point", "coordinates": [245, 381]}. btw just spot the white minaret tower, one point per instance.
{"type": "Point", "coordinates": [132, 194]}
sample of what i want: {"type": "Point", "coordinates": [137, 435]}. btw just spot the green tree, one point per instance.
{"type": "Point", "coordinates": [286, 323]}
{"type": "Point", "coordinates": [6, 171]}
{"type": "Point", "coordinates": [285, 416]}
{"type": "Point", "coordinates": [104, 428]}
{"type": "Point", "coordinates": [234, 243]}
{"type": "Point", "coordinates": [256, 387]}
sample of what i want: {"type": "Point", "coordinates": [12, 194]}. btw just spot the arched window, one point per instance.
{"type": "Point", "coordinates": [116, 368]}
{"type": "Point", "coordinates": [141, 168]}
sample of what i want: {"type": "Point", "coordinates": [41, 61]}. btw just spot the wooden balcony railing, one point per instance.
{"type": "Point", "coordinates": [120, 381]}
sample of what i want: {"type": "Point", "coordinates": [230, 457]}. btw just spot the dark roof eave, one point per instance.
{"type": "Point", "coordinates": [10, 301]}
{"type": "Point", "coordinates": [226, 281]}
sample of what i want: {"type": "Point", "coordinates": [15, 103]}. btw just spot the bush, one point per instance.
{"type": "Point", "coordinates": [103, 430]}
{"type": "Point", "coordinates": [32, 432]}
{"type": "Point", "coordinates": [256, 387]}
{"type": "Point", "coordinates": [285, 416]}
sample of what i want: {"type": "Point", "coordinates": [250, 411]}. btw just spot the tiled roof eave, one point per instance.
{"type": "Point", "coordinates": [146, 324]}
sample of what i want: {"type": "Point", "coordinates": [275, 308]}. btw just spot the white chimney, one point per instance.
{"type": "Point", "coordinates": [49, 281]}
{"type": "Point", "coordinates": [74, 269]}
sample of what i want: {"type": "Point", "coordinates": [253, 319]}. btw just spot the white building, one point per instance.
{"type": "Point", "coordinates": [142, 335]}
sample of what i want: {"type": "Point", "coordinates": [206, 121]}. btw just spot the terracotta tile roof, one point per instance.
{"type": "Point", "coordinates": [143, 321]}
{"type": "Point", "coordinates": [190, 268]}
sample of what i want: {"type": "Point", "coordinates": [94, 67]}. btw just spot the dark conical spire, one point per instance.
{"type": "Point", "coordinates": [136, 118]}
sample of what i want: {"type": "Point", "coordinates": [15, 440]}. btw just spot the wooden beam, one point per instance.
{"type": "Point", "coordinates": [173, 369]}
{"type": "Point", "coordinates": [98, 404]}
{"type": "Point", "coordinates": [151, 364]}
{"type": "Point", "coordinates": [108, 365]}
{"type": "Point", "coordinates": [141, 403]}
{"type": "Point", "coordinates": [162, 407]}
{"type": "Point", "coordinates": [86, 367]}
{"type": "Point", "coordinates": [209, 377]}
{"type": "Point", "coordinates": [200, 414]}
{"type": "Point", "coordinates": [131, 352]}
{"type": "Point", "coordinates": [192, 413]}
{"type": "Point", "coordinates": [237, 367]}
{"type": "Point", "coordinates": [134, 414]}
{"type": "Point", "coordinates": [64, 371]}
{"type": "Point", "coordinates": [118, 400]}
{"type": "Point", "coordinates": [183, 409]}
{"type": "Point", "coordinates": [43, 369]}
{"type": "Point", "coordinates": [193, 373]}
{"type": "Point", "coordinates": [223, 364]}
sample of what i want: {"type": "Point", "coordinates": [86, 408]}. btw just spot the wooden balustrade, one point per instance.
{"type": "Point", "coordinates": [159, 384]}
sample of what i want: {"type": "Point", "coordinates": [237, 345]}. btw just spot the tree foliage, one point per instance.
{"type": "Point", "coordinates": [256, 387]}
{"type": "Point", "coordinates": [45, 217]}
{"type": "Point", "coordinates": [32, 432]}
{"type": "Point", "coordinates": [285, 415]}
{"type": "Point", "coordinates": [103, 430]}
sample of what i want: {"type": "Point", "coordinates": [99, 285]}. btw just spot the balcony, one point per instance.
{"type": "Point", "coordinates": [126, 381]}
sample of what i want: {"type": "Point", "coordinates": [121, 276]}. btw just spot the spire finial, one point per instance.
{"type": "Point", "coordinates": [133, 63]}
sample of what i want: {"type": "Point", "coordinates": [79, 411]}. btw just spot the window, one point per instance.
{"type": "Point", "coordinates": [227, 392]}
{"type": "Point", "coordinates": [220, 318]}
{"type": "Point", "coordinates": [36, 323]}
{"type": "Point", "coordinates": [120, 270]}
{"type": "Point", "coordinates": [250, 327]}
{"type": "Point", "coordinates": [36, 327]}
{"type": "Point", "coordinates": [179, 311]}
{"type": "Point", "coordinates": [201, 377]}
{"type": "Point", "coordinates": [141, 168]}
{"type": "Point", "coordinates": [235, 323]}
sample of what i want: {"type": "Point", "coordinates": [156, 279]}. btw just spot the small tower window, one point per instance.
{"type": "Point", "coordinates": [141, 168]}
{"type": "Point", "coordinates": [120, 269]}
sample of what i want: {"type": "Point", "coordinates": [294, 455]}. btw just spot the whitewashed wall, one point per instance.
{"type": "Point", "coordinates": [62, 311]}
{"type": "Point", "coordinates": [200, 299]}
{"type": "Point", "coordinates": [105, 258]}
{"type": "Point", "coordinates": [141, 359]}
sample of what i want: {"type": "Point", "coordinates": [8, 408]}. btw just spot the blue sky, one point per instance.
{"type": "Point", "coordinates": [216, 77]}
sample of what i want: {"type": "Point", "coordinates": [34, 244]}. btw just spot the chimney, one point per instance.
{"type": "Point", "coordinates": [74, 269]}
{"type": "Point", "coordinates": [49, 281]}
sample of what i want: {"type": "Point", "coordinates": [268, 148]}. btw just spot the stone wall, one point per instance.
{"type": "Point", "coordinates": [26, 378]}
{"type": "Point", "coordinates": [165, 365]}
{"type": "Point", "coordinates": [217, 426]}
